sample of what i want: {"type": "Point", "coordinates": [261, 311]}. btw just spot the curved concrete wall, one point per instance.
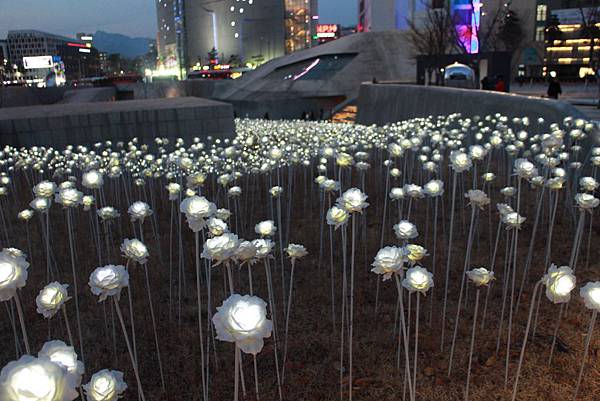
{"type": "Point", "coordinates": [19, 96]}
{"type": "Point", "coordinates": [387, 103]}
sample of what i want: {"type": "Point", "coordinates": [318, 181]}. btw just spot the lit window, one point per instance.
{"type": "Point", "coordinates": [539, 34]}
{"type": "Point", "coordinates": [541, 12]}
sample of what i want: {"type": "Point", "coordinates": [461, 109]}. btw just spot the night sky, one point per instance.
{"type": "Point", "coordinates": [129, 17]}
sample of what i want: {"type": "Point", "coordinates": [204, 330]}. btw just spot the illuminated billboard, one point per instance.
{"type": "Point", "coordinates": [327, 32]}
{"type": "Point", "coordinates": [467, 20]}
{"type": "Point", "coordinates": [31, 63]}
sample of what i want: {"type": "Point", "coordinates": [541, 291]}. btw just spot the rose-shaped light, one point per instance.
{"type": "Point", "coordinates": [196, 210]}
{"type": "Point", "coordinates": [108, 281]}
{"type": "Point", "coordinates": [513, 220]}
{"type": "Point", "coordinates": [477, 198]}
{"type": "Point", "coordinates": [588, 184]}
{"type": "Point", "coordinates": [40, 204]}
{"type": "Point", "coordinates": [415, 252]}
{"type": "Point", "coordinates": [216, 226]}
{"type": "Point", "coordinates": [296, 251]}
{"type": "Point", "coordinates": [223, 214]}
{"type": "Point", "coordinates": [221, 248]}
{"type": "Point", "coordinates": [265, 228]}
{"type": "Point", "coordinates": [36, 379]}
{"type": "Point", "coordinates": [405, 230]}
{"type": "Point", "coordinates": [13, 274]}
{"type": "Point", "coordinates": [586, 202]}
{"type": "Point", "coordinates": [88, 202]}
{"type": "Point", "coordinates": [418, 279]}
{"type": "Point", "coordinates": [396, 193]}
{"type": "Point", "coordinates": [337, 216]}
{"type": "Point", "coordinates": [234, 191]}
{"type": "Point", "coordinates": [246, 253]}
{"type": "Point", "coordinates": [44, 189]}
{"type": "Point", "coordinates": [525, 169]}
{"type": "Point", "coordinates": [25, 215]}
{"type": "Point", "coordinates": [508, 191]}
{"type": "Point", "coordinates": [591, 295]}
{"type": "Point", "coordinates": [65, 357]}
{"type": "Point", "coordinates": [138, 211]}
{"type": "Point", "coordinates": [107, 213]}
{"type": "Point", "coordinates": [330, 185]}
{"type": "Point", "coordinates": [92, 179]}
{"type": "Point", "coordinates": [69, 197]}
{"type": "Point", "coordinates": [559, 282]}
{"type": "Point", "coordinates": [413, 191]}
{"type": "Point", "coordinates": [263, 247]}
{"type": "Point", "coordinates": [135, 250]}
{"type": "Point", "coordinates": [243, 320]}
{"type": "Point", "coordinates": [460, 161]}
{"type": "Point", "coordinates": [174, 189]}
{"type": "Point", "coordinates": [389, 260]}
{"type": "Point", "coordinates": [480, 276]}
{"type": "Point", "coordinates": [51, 298]}
{"type": "Point", "coordinates": [105, 385]}
{"type": "Point", "coordinates": [434, 188]}
{"type": "Point", "coordinates": [353, 201]}
{"type": "Point", "coordinates": [276, 191]}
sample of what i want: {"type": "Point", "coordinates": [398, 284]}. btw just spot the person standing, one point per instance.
{"type": "Point", "coordinates": [554, 89]}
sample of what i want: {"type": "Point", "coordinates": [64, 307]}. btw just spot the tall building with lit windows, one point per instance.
{"type": "Point", "coordinates": [301, 20]}
{"type": "Point", "coordinates": [240, 32]}
{"type": "Point", "coordinates": [572, 50]}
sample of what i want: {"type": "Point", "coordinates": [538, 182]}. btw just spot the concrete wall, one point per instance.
{"type": "Point", "coordinates": [18, 96]}
{"type": "Point", "coordinates": [88, 123]}
{"type": "Point", "coordinates": [386, 103]}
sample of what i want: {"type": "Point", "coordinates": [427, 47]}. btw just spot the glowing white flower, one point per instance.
{"type": "Point", "coordinates": [40, 204]}
{"type": "Point", "coordinates": [405, 230]}
{"type": "Point", "coordinates": [353, 200]}
{"type": "Point", "coordinates": [174, 190]}
{"type": "Point", "coordinates": [88, 202]}
{"type": "Point", "coordinates": [36, 379]}
{"type": "Point", "coordinates": [13, 274]}
{"type": "Point", "coordinates": [196, 210]}
{"type": "Point", "coordinates": [489, 177]}
{"type": "Point", "coordinates": [413, 191]}
{"type": "Point", "coordinates": [138, 211]}
{"type": "Point", "coordinates": [295, 251]}
{"type": "Point", "coordinates": [477, 198]}
{"type": "Point", "coordinates": [337, 216]}
{"type": "Point", "coordinates": [480, 276]}
{"type": "Point", "coordinates": [434, 188]}
{"type": "Point", "coordinates": [195, 180]}
{"type": "Point", "coordinates": [64, 356]}
{"type": "Point", "coordinates": [504, 209]}
{"type": "Point", "coordinates": [105, 385]}
{"type": "Point", "coordinates": [263, 247]}
{"type": "Point", "coordinates": [591, 295]}
{"type": "Point", "coordinates": [243, 320]}
{"type": "Point", "coordinates": [44, 189]}
{"type": "Point", "coordinates": [397, 193]}
{"type": "Point", "coordinates": [245, 253]}
{"type": "Point", "coordinates": [586, 201]}
{"type": "Point", "coordinates": [525, 169]}
{"type": "Point", "coordinates": [265, 228]}
{"type": "Point", "coordinates": [460, 161]}
{"type": "Point", "coordinates": [234, 191]}
{"type": "Point", "coordinates": [108, 213]}
{"type": "Point", "coordinates": [588, 184]}
{"type": "Point", "coordinates": [344, 159]}
{"type": "Point", "coordinates": [276, 191]}
{"type": "Point", "coordinates": [330, 185]}
{"type": "Point", "coordinates": [559, 282]}
{"type": "Point", "coordinates": [135, 250]}
{"type": "Point", "coordinates": [51, 298]}
{"type": "Point", "coordinates": [92, 179]}
{"type": "Point", "coordinates": [108, 281]}
{"type": "Point", "coordinates": [415, 252]}
{"type": "Point", "coordinates": [389, 260]}
{"type": "Point", "coordinates": [513, 220]}
{"type": "Point", "coordinates": [418, 279]}
{"type": "Point", "coordinates": [223, 214]}
{"type": "Point", "coordinates": [69, 197]}
{"type": "Point", "coordinates": [220, 249]}
{"type": "Point", "coordinates": [25, 215]}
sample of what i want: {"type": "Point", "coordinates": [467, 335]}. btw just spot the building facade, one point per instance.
{"type": "Point", "coordinates": [239, 31]}
{"type": "Point", "coordinates": [387, 15]}
{"type": "Point", "coordinates": [570, 31]}
{"type": "Point", "coordinates": [301, 20]}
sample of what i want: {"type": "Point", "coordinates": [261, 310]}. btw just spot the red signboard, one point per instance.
{"type": "Point", "coordinates": [327, 28]}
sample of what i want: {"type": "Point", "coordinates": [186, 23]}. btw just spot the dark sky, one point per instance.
{"type": "Point", "coordinates": [130, 17]}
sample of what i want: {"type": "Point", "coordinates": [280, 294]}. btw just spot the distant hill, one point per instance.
{"type": "Point", "coordinates": [124, 45]}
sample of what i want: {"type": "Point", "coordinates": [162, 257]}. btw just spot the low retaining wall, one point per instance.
{"type": "Point", "coordinates": [387, 103]}
{"type": "Point", "coordinates": [88, 123]}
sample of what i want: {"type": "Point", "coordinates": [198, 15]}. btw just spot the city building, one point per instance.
{"type": "Point", "coordinates": [301, 20]}
{"type": "Point", "coordinates": [387, 15]}
{"type": "Point", "coordinates": [192, 34]}
{"type": "Point", "coordinates": [166, 38]}
{"type": "Point", "coordinates": [569, 30]}
{"type": "Point", "coordinates": [328, 32]}
{"type": "Point", "coordinates": [36, 55]}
